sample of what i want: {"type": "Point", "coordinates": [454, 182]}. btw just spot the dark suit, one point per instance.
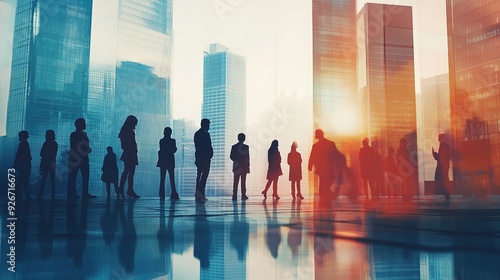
{"type": "Point", "coordinates": [203, 155]}
{"type": "Point", "coordinates": [241, 166]}
{"type": "Point", "coordinates": [441, 177]}
{"type": "Point", "coordinates": [78, 159]}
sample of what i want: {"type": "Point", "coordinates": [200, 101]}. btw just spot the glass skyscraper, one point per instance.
{"type": "Point", "coordinates": [130, 75]}
{"type": "Point", "coordinates": [50, 67]}
{"type": "Point", "coordinates": [387, 79]}
{"type": "Point", "coordinates": [473, 42]}
{"type": "Point", "coordinates": [224, 103]}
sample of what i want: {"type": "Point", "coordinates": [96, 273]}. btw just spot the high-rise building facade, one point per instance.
{"type": "Point", "coordinates": [224, 103]}
{"type": "Point", "coordinates": [130, 75]}
{"type": "Point", "coordinates": [334, 64]}
{"type": "Point", "coordinates": [185, 169]}
{"type": "Point", "coordinates": [473, 42]}
{"type": "Point", "coordinates": [50, 67]}
{"type": "Point", "coordinates": [387, 78]}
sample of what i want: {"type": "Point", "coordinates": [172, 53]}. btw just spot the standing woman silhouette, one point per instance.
{"type": "Point", "coordinates": [274, 170]}
{"type": "Point", "coordinates": [129, 155]}
{"type": "Point", "coordinates": [166, 162]}
{"type": "Point", "coordinates": [295, 175]}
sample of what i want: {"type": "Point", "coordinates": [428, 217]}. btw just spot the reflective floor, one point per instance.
{"type": "Point", "coordinates": [426, 238]}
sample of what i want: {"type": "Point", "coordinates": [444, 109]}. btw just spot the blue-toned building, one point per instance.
{"type": "Point", "coordinates": [50, 66]}
{"type": "Point", "coordinates": [130, 75]}
{"type": "Point", "coordinates": [224, 103]}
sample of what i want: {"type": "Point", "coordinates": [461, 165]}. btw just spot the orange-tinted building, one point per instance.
{"type": "Point", "coordinates": [474, 57]}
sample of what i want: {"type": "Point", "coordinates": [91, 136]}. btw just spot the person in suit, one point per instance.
{"type": "Point", "coordinates": [241, 166]}
{"type": "Point", "coordinates": [22, 163]}
{"type": "Point", "coordinates": [203, 155]}
{"type": "Point", "coordinates": [367, 160]}
{"type": "Point", "coordinates": [322, 159]}
{"type": "Point", "coordinates": [442, 156]}
{"type": "Point", "coordinates": [48, 156]}
{"type": "Point", "coordinates": [78, 159]}
{"type": "Point", "coordinates": [110, 172]}
{"type": "Point", "coordinates": [294, 160]}
{"type": "Point", "coordinates": [274, 169]}
{"type": "Point", "coordinates": [166, 162]}
{"type": "Point", "coordinates": [129, 155]}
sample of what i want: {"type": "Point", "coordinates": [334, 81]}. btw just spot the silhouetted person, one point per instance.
{"type": "Point", "coordinates": [367, 168]}
{"type": "Point", "coordinates": [403, 161]}
{"type": "Point", "coordinates": [129, 155]}
{"type": "Point", "coordinates": [110, 172]}
{"type": "Point", "coordinates": [203, 155]}
{"type": "Point", "coordinates": [442, 157]}
{"type": "Point", "coordinates": [294, 159]}
{"type": "Point", "coordinates": [379, 171]}
{"type": "Point", "coordinates": [241, 166]}
{"type": "Point", "coordinates": [391, 173]}
{"type": "Point", "coordinates": [78, 159]}
{"type": "Point", "coordinates": [22, 164]}
{"type": "Point", "coordinates": [166, 162]}
{"type": "Point", "coordinates": [48, 163]}
{"type": "Point", "coordinates": [322, 158]}
{"type": "Point", "coordinates": [274, 169]}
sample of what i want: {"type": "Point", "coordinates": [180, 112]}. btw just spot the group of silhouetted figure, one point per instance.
{"type": "Point", "coordinates": [328, 162]}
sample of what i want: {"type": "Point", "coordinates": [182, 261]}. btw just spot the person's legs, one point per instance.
{"type": "Point", "coordinates": [275, 189]}
{"type": "Point", "coordinates": [73, 172]}
{"type": "Point", "coordinates": [130, 178]}
{"type": "Point", "coordinates": [84, 167]}
{"type": "Point", "coordinates": [173, 189]}
{"type": "Point", "coordinates": [236, 178]}
{"type": "Point", "coordinates": [299, 194]}
{"type": "Point", "coordinates": [108, 187]}
{"type": "Point", "coordinates": [292, 185]}
{"type": "Point", "coordinates": [244, 186]}
{"type": "Point", "coordinates": [52, 173]}
{"type": "Point", "coordinates": [203, 179]}
{"type": "Point", "coordinates": [163, 174]}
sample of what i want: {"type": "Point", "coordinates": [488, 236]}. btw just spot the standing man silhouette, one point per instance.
{"type": "Point", "coordinates": [48, 163]}
{"type": "Point", "coordinates": [322, 158]}
{"type": "Point", "coordinates": [22, 163]}
{"type": "Point", "coordinates": [241, 166]}
{"type": "Point", "coordinates": [78, 159]}
{"type": "Point", "coordinates": [203, 154]}
{"type": "Point", "coordinates": [442, 157]}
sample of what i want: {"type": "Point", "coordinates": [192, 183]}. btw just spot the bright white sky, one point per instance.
{"type": "Point", "coordinates": [276, 39]}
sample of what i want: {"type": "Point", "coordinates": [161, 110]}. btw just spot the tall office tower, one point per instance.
{"type": "Point", "coordinates": [224, 103]}
{"type": "Point", "coordinates": [434, 111]}
{"type": "Point", "coordinates": [185, 169]}
{"type": "Point", "coordinates": [473, 42]}
{"type": "Point", "coordinates": [387, 78]}
{"type": "Point", "coordinates": [50, 64]}
{"type": "Point", "coordinates": [334, 64]}
{"type": "Point", "coordinates": [130, 75]}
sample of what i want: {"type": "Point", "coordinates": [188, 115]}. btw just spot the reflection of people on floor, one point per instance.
{"type": "Point", "coordinates": [202, 237]}
{"type": "Point", "coordinates": [110, 172]}
{"type": "Point", "coordinates": [323, 243]}
{"type": "Point", "coordinates": [48, 156]}
{"type": "Point", "coordinates": [165, 235]}
{"type": "Point", "coordinates": [273, 233]}
{"type": "Point", "coordinates": [45, 234]}
{"type": "Point", "coordinates": [273, 170]}
{"type": "Point", "coordinates": [128, 243]}
{"type": "Point", "coordinates": [442, 156]}
{"type": "Point", "coordinates": [294, 159]}
{"type": "Point", "coordinates": [22, 164]}
{"type": "Point", "coordinates": [109, 222]}
{"type": "Point", "coordinates": [295, 232]}
{"type": "Point", "coordinates": [240, 232]}
{"type": "Point", "coordinates": [77, 232]}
